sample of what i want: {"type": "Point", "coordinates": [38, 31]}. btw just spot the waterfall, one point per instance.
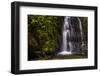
{"type": "Point", "coordinates": [67, 46]}
{"type": "Point", "coordinates": [65, 35]}
{"type": "Point", "coordinates": [81, 30]}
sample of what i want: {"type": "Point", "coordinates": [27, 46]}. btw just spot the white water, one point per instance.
{"type": "Point", "coordinates": [65, 50]}
{"type": "Point", "coordinates": [65, 42]}
{"type": "Point", "coordinates": [81, 30]}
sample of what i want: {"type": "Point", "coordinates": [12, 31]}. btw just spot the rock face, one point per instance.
{"type": "Point", "coordinates": [73, 40]}
{"type": "Point", "coordinates": [78, 37]}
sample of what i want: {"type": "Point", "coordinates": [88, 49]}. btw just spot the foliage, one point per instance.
{"type": "Point", "coordinates": [44, 35]}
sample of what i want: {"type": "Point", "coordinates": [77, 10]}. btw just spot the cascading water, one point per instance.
{"type": "Point", "coordinates": [81, 30]}
{"type": "Point", "coordinates": [66, 35]}
{"type": "Point", "coordinates": [67, 46]}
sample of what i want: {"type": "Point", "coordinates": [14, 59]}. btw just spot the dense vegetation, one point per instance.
{"type": "Point", "coordinates": [44, 36]}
